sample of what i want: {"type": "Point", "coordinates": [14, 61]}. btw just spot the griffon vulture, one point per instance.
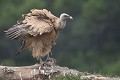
{"type": "Point", "coordinates": [38, 31]}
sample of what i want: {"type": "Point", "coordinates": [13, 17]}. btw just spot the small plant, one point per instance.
{"type": "Point", "coordinates": [67, 77]}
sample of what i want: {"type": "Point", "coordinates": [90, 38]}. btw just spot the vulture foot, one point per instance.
{"type": "Point", "coordinates": [51, 62]}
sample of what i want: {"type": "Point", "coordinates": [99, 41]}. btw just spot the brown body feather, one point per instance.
{"type": "Point", "coordinates": [41, 44]}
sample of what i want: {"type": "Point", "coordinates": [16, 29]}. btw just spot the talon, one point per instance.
{"type": "Point", "coordinates": [51, 61]}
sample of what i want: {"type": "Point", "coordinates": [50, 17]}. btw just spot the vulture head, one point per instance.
{"type": "Point", "coordinates": [65, 16]}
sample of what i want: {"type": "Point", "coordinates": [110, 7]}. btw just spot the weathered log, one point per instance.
{"type": "Point", "coordinates": [45, 71]}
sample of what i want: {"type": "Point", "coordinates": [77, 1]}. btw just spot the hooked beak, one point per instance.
{"type": "Point", "coordinates": [71, 18]}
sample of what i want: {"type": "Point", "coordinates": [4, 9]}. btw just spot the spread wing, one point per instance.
{"type": "Point", "coordinates": [35, 23]}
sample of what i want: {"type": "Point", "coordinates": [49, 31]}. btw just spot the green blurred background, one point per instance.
{"type": "Point", "coordinates": [90, 43]}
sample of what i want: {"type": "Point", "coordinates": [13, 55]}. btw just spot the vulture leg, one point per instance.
{"type": "Point", "coordinates": [40, 60]}
{"type": "Point", "coordinates": [48, 56]}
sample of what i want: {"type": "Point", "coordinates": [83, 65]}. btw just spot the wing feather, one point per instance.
{"type": "Point", "coordinates": [17, 31]}
{"type": "Point", "coordinates": [35, 23]}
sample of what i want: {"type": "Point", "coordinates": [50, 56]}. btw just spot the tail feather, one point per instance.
{"type": "Point", "coordinates": [21, 48]}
